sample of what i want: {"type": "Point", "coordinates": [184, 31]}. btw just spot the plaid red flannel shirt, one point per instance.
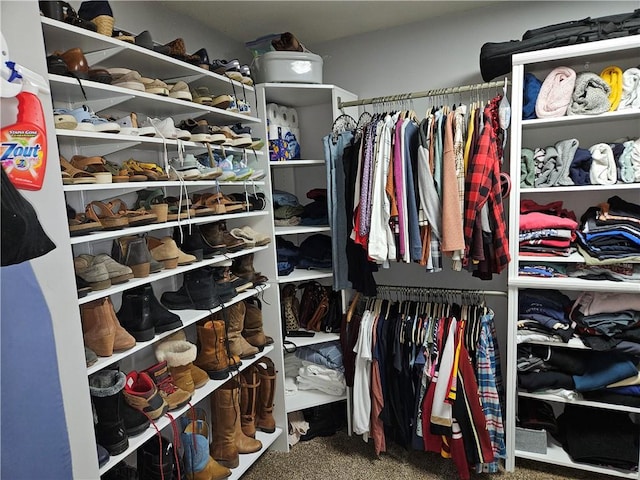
{"type": "Point", "coordinates": [482, 185]}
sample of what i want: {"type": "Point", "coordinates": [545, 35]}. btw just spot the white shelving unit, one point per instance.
{"type": "Point", "coordinates": [588, 129]}
{"type": "Point", "coordinates": [108, 100]}
{"type": "Point", "coordinates": [317, 108]}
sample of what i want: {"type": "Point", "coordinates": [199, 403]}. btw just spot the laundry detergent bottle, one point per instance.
{"type": "Point", "coordinates": [24, 144]}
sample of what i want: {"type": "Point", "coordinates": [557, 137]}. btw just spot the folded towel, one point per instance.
{"type": "Point", "coordinates": [630, 89]}
{"type": "Point", "coordinates": [547, 176]}
{"type": "Point", "coordinates": [538, 160]}
{"type": "Point", "coordinates": [566, 152]}
{"type": "Point", "coordinates": [527, 168]}
{"type": "Point", "coordinates": [555, 93]}
{"type": "Point", "coordinates": [613, 76]}
{"type": "Point", "coordinates": [603, 166]}
{"type": "Point", "coordinates": [531, 90]}
{"type": "Point", "coordinates": [580, 167]}
{"type": "Point", "coordinates": [590, 95]}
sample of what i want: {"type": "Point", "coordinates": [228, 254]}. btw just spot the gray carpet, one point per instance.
{"type": "Point", "coordinates": [341, 457]}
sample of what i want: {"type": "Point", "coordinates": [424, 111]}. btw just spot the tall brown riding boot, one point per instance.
{"type": "Point", "coordinates": [266, 390]}
{"type": "Point", "coordinates": [249, 383]}
{"type": "Point", "coordinates": [212, 356]}
{"type": "Point", "coordinates": [235, 323]}
{"type": "Point", "coordinates": [223, 447]}
{"type": "Point", "coordinates": [244, 443]}
{"type": "Point", "coordinates": [252, 330]}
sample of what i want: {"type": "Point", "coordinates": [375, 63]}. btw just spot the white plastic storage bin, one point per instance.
{"type": "Point", "coordinates": [288, 67]}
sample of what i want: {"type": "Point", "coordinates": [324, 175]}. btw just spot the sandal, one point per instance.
{"type": "Point", "coordinates": [217, 200]}
{"type": "Point", "coordinates": [94, 165]}
{"type": "Point", "coordinates": [74, 175]}
{"type": "Point", "coordinates": [136, 217]}
{"type": "Point", "coordinates": [118, 174]}
{"type": "Point", "coordinates": [132, 174]}
{"type": "Point", "coordinates": [79, 224]}
{"type": "Point", "coordinates": [100, 212]}
{"type": "Point", "coordinates": [199, 204]}
{"type": "Point", "coordinates": [138, 169]}
{"type": "Point", "coordinates": [154, 168]}
{"type": "Point", "coordinates": [174, 214]}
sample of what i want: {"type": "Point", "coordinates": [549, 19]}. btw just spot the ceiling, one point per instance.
{"type": "Point", "coordinates": [313, 22]}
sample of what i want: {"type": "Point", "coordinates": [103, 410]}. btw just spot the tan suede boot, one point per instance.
{"type": "Point", "coordinates": [179, 355]}
{"type": "Point", "coordinates": [249, 383]}
{"type": "Point", "coordinates": [223, 414]}
{"type": "Point", "coordinates": [200, 377]}
{"type": "Point", "coordinates": [252, 329]}
{"type": "Point", "coordinates": [266, 391]}
{"type": "Point", "coordinates": [212, 356]}
{"type": "Point", "coordinates": [123, 340]}
{"type": "Point", "coordinates": [174, 396]}
{"type": "Point", "coordinates": [98, 329]}
{"type": "Point", "coordinates": [237, 344]}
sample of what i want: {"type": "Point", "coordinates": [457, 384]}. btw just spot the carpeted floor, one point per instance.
{"type": "Point", "coordinates": [341, 457]}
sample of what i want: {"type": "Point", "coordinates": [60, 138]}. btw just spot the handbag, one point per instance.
{"type": "Point", "coordinates": [290, 309]}
{"type": "Point", "coordinates": [314, 305]}
{"type": "Point", "coordinates": [333, 319]}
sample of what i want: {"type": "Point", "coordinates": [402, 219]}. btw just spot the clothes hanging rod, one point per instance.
{"type": "Point", "coordinates": [428, 93]}
{"type": "Point", "coordinates": [409, 290]}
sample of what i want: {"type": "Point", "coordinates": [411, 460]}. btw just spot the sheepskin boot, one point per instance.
{"type": "Point", "coordinates": [266, 391]}
{"type": "Point", "coordinates": [179, 355]}
{"type": "Point", "coordinates": [198, 463]}
{"type": "Point", "coordinates": [200, 377]}
{"type": "Point", "coordinates": [106, 387]}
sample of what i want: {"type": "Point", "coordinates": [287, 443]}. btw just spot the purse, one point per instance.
{"type": "Point", "coordinates": [314, 305]}
{"type": "Point", "coordinates": [290, 308]}
{"type": "Point", "coordinates": [333, 319]}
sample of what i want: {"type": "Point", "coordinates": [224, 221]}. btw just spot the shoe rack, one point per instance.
{"type": "Point", "coordinates": [316, 105]}
{"type": "Point", "coordinates": [107, 100]}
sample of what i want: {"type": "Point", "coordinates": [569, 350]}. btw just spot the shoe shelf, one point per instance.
{"type": "Point", "coordinates": [299, 229]}
{"type": "Point", "coordinates": [135, 282]}
{"type": "Point", "coordinates": [188, 317]}
{"type": "Point", "coordinates": [198, 184]}
{"type": "Point", "coordinates": [110, 52]}
{"type": "Point", "coordinates": [164, 421]}
{"type": "Point", "coordinates": [100, 143]}
{"type": "Point", "coordinates": [576, 284]}
{"type": "Point", "coordinates": [246, 460]}
{"type": "Point", "coordinates": [303, 275]}
{"type": "Point", "coordinates": [297, 163]}
{"type": "Point", "coordinates": [580, 401]}
{"type": "Point", "coordinates": [556, 455]}
{"type": "Point", "coordinates": [319, 337]}
{"type": "Point", "coordinates": [105, 235]}
{"type": "Point", "coordinates": [104, 96]}
{"type": "Point", "coordinates": [310, 398]}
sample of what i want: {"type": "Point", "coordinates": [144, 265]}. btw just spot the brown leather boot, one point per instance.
{"type": "Point", "coordinates": [244, 443]}
{"type": "Point", "coordinates": [174, 396]}
{"type": "Point", "coordinates": [235, 323]}
{"type": "Point", "coordinates": [179, 355]}
{"type": "Point", "coordinates": [212, 354]}
{"type": "Point", "coordinates": [249, 383]}
{"type": "Point", "coordinates": [76, 63]}
{"type": "Point", "coordinates": [223, 447]}
{"type": "Point", "coordinates": [252, 330]}
{"type": "Point", "coordinates": [98, 329]}
{"type": "Point", "coordinates": [123, 340]}
{"type": "Point", "coordinates": [267, 375]}
{"type": "Point", "coordinates": [243, 268]}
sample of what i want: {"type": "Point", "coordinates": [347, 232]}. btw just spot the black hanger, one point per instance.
{"type": "Point", "coordinates": [341, 124]}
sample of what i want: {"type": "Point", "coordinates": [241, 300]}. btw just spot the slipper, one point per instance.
{"type": "Point", "coordinates": [249, 234]}
{"type": "Point", "coordinates": [75, 175]}
{"type": "Point", "coordinates": [101, 212]}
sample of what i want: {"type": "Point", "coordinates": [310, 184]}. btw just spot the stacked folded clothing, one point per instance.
{"type": "Point", "coordinates": [549, 308]}
{"type": "Point", "coordinates": [286, 209]}
{"type": "Point", "coordinates": [316, 212]}
{"type": "Point", "coordinates": [288, 256]}
{"type": "Point", "coordinates": [610, 233]}
{"type": "Point", "coordinates": [546, 230]}
{"type": "Point", "coordinates": [315, 252]}
{"type": "Point", "coordinates": [318, 367]}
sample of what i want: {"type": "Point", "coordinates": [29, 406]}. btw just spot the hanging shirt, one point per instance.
{"type": "Point", "coordinates": [398, 177]}
{"type": "Point", "coordinates": [362, 378]}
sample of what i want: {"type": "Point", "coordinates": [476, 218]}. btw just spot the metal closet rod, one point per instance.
{"type": "Point", "coordinates": [428, 93]}
{"type": "Point", "coordinates": [413, 290]}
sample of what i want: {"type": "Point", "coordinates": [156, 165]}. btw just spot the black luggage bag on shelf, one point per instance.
{"type": "Point", "coordinates": [495, 58]}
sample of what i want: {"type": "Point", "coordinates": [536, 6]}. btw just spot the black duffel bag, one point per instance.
{"type": "Point", "coordinates": [495, 58]}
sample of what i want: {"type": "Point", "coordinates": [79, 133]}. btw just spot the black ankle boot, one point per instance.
{"type": "Point", "coordinates": [190, 241]}
{"type": "Point", "coordinates": [154, 462]}
{"type": "Point", "coordinates": [106, 389]}
{"type": "Point", "coordinates": [143, 316]}
{"type": "Point", "coordinates": [198, 292]}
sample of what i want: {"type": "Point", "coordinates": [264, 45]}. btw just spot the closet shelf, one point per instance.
{"type": "Point", "coordinates": [105, 235]}
{"type": "Point", "coordinates": [572, 343]}
{"type": "Point", "coordinates": [136, 282]}
{"type": "Point", "coordinates": [575, 284]}
{"type": "Point", "coordinates": [297, 230]}
{"type": "Point", "coordinates": [297, 163]}
{"type": "Point", "coordinates": [301, 275]}
{"type": "Point", "coordinates": [164, 421]}
{"type": "Point", "coordinates": [110, 52]}
{"type": "Point", "coordinates": [310, 398]}
{"type": "Point", "coordinates": [197, 184]}
{"type": "Point", "coordinates": [580, 401]}
{"type": "Point", "coordinates": [556, 455]}
{"type": "Point", "coordinates": [318, 338]}
{"type": "Point", "coordinates": [553, 122]}
{"type": "Point", "coordinates": [573, 258]}
{"type": "Point", "coordinates": [246, 460]}
{"type": "Point", "coordinates": [298, 94]}
{"type": "Point", "coordinates": [581, 188]}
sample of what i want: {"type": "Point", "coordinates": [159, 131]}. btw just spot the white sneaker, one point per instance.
{"type": "Point", "coordinates": [186, 169]}
{"type": "Point", "coordinates": [180, 91]}
{"type": "Point", "coordinates": [166, 128]}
